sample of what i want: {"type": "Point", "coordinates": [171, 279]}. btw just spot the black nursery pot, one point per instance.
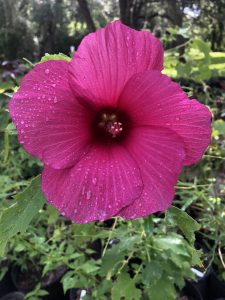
{"type": "Point", "coordinates": [6, 284]}
{"type": "Point", "coordinates": [191, 291]}
{"type": "Point", "coordinates": [51, 283]}
{"type": "Point", "coordinates": [211, 287]}
{"type": "Point", "coordinates": [24, 281]}
{"type": "Point", "coordinates": [75, 294]}
{"type": "Point", "coordinates": [13, 296]}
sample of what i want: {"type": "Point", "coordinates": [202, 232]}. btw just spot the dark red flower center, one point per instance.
{"type": "Point", "coordinates": [110, 125]}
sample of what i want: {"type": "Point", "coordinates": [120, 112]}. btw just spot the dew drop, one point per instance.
{"type": "Point", "coordinates": [102, 212]}
{"type": "Point", "coordinates": [47, 71]}
{"type": "Point", "coordinates": [88, 195]}
{"type": "Point", "coordinates": [94, 180]}
{"type": "Point", "coordinates": [177, 118]}
{"type": "Point", "coordinates": [83, 190]}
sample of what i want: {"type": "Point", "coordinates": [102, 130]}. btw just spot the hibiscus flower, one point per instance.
{"type": "Point", "coordinates": [112, 131]}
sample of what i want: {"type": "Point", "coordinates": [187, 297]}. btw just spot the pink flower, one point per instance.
{"type": "Point", "coordinates": [112, 131]}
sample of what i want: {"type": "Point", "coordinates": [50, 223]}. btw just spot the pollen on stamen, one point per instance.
{"type": "Point", "coordinates": [114, 128]}
{"type": "Point", "coordinates": [110, 126]}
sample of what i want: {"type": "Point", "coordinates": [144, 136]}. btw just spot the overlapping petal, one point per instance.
{"type": "Point", "coordinates": [159, 152]}
{"type": "Point", "coordinates": [106, 59]}
{"type": "Point", "coordinates": [103, 182]}
{"type": "Point", "coordinates": [151, 98]}
{"type": "Point", "coordinates": [51, 123]}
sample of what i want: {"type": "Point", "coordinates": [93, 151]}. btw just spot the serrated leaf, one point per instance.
{"type": "Point", "coordinates": [117, 253]}
{"type": "Point", "coordinates": [162, 289]}
{"type": "Point", "coordinates": [125, 287]}
{"type": "Point", "coordinates": [73, 280]}
{"type": "Point", "coordinates": [18, 216]}
{"type": "Point", "coordinates": [152, 272]}
{"type": "Point", "coordinates": [186, 223]}
{"type": "Point", "coordinates": [59, 56]}
{"type": "Point", "coordinates": [196, 257]}
{"type": "Point", "coordinates": [89, 267]}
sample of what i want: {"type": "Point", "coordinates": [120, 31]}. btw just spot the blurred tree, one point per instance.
{"type": "Point", "coordinates": [16, 34]}
{"type": "Point", "coordinates": [86, 15]}
{"type": "Point", "coordinates": [51, 25]}
{"type": "Point", "coordinates": [132, 11]}
{"type": "Point", "coordinates": [31, 28]}
{"type": "Point", "coordinates": [212, 23]}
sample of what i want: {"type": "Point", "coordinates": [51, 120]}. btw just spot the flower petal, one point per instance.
{"type": "Point", "coordinates": [151, 98]}
{"type": "Point", "coordinates": [101, 184]}
{"type": "Point", "coordinates": [159, 153]}
{"type": "Point", "coordinates": [51, 124]}
{"type": "Point", "coordinates": [106, 59]}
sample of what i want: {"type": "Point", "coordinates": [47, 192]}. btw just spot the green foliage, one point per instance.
{"type": "Point", "coordinates": [125, 287]}
{"type": "Point", "coordinates": [186, 224]}
{"type": "Point", "coordinates": [16, 218]}
{"type": "Point", "coordinates": [36, 294]}
{"type": "Point", "coordinates": [59, 56]}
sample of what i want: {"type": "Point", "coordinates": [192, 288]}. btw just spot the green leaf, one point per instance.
{"type": "Point", "coordinates": [152, 272]}
{"type": "Point", "coordinates": [219, 126]}
{"type": "Point", "coordinates": [89, 267]}
{"type": "Point", "coordinates": [148, 225]}
{"type": "Point", "coordinates": [125, 287]}
{"type": "Point", "coordinates": [59, 56]}
{"type": "Point", "coordinates": [162, 289]}
{"type": "Point", "coordinates": [186, 223]}
{"type": "Point", "coordinates": [116, 254]}
{"type": "Point", "coordinates": [18, 216]}
{"type": "Point", "coordinates": [53, 214]}
{"type": "Point", "coordinates": [73, 280]}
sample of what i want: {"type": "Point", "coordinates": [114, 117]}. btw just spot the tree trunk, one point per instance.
{"type": "Point", "coordinates": [87, 15]}
{"type": "Point", "coordinates": [125, 11]}
{"type": "Point", "coordinates": [131, 13]}
{"type": "Point", "coordinates": [176, 16]}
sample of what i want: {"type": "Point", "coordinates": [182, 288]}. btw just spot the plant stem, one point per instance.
{"type": "Point", "coordinates": [110, 236]}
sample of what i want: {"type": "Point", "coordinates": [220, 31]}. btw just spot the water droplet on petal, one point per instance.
{"type": "Point", "coordinates": [83, 190]}
{"type": "Point", "coordinates": [47, 71]}
{"type": "Point", "coordinates": [94, 180]}
{"type": "Point", "coordinates": [88, 195]}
